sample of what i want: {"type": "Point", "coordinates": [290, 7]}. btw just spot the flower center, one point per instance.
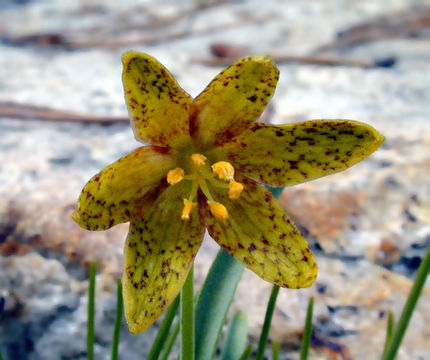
{"type": "Point", "coordinates": [201, 174]}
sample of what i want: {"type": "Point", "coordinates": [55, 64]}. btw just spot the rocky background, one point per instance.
{"type": "Point", "coordinates": [63, 118]}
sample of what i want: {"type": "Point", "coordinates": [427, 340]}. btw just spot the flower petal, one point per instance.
{"type": "Point", "coordinates": [293, 153]}
{"type": "Point", "coordinates": [233, 100]}
{"type": "Point", "coordinates": [259, 234]}
{"type": "Point", "coordinates": [123, 190]}
{"type": "Point", "coordinates": [158, 254]}
{"type": "Point", "coordinates": [157, 104]}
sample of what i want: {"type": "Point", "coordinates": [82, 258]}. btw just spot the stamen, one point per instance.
{"type": "Point", "coordinates": [224, 170]}
{"type": "Point", "coordinates": [204, 188]}
{"type": "Point", "coordinates": [235, 188]}
{"type": "Point", "coordinates": [174, 176]}
{"type": "Point", "coordinates": [218, 210]}
{"type": "Point", "coordinates": [198, 159]}
{"type": "Point", "coordinates": [188, 207]}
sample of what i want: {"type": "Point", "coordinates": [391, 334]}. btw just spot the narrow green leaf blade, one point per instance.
{"type": "Point", "coordinates": [213, 304]}
{"type": "Point", "coordinates": [409, 308]}
{"type": "Point", "coordinates": [118, 320]}
{"type": "Point", "coordinates": [170, 341]}
{"type": "Point", "coordinates": [163, 332]}
{"type": "Point", "coordinates": [246, 353]}
{"type": "Point", "coordinates": [91, 311]}
{"type": "Point", "coordinates": [267, 322]}
{"type": "Point", "coordinates": [236, 338]}
{"type": "Point", "coordinates": [275, 350]}
{"type": "Point", "coordinates": [187, 317]}
{"type": "Point", "coordinates": [307, 332]}
{"type": "Point", "coordinates": [390, 328]}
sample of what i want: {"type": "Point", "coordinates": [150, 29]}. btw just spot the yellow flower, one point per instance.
{"type": "Point", "coordinates": [203, 168]}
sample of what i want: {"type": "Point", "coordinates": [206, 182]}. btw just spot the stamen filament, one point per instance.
{"type": "Point", "coordinates": [218, 183]}
{"type": "Point", "coordinates": [204, 187]}
{"type": "Point", "coordinates": [193, 193]}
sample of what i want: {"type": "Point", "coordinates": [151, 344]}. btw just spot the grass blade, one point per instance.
{"type": "Point", "coordinates": [118, 321]}
{"type": "Point", "coordinates": [267, 321]}
{"type": "Point", "coordinates": [91, 311]}
{"type": "Point", "coordinates": [390, 328]}
{"type": "Point", "coordinates": [246, 353]}
{"type": "Point", "coordinates": [236, 338]}
{"type": "Point", "coordinates": [170, 341]}
{"type": "Point", "coordinates": [408, 310]}
{"type": "Point", "coordinates": [307, 332]}
{"type": "Point", "coordinates": [163, 331]}
{"type": "Point", "coordinates": [187, 317]}
{"type": "Point", "coordinates": [213, 303]}
{"type": "Point", "coordinates": [275, 350]}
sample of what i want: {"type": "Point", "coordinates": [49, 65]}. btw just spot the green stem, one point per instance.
{"type": "Point", "coordinates": [267, 321]}
{"type": "Point", "coordinates": [390, 327]}
{"type": "Point", "coordinates": [91, 311]}
{"type": "Point", "coordinates": [118, 320]}
{"type": "Point", "coordinates": [187, 318]}
{"type": "Point", "coordinates": [246, 353]}
{"type": "Point", "coordinates": [406, 315]}
{"type": "Point", "coordinates": [163, 332]}
{"type": "Point", "coordinates": [306, 339]}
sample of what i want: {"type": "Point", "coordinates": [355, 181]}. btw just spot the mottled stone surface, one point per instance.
{"type": "Point", "coordinates": [369, 226]}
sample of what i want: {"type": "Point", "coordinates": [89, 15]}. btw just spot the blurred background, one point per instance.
{"type": "Point", "coordinates": [63, 118]}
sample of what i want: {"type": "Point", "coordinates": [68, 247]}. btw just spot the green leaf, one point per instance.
{"type": "Point", "coordinates": [246, 353]}
{"type": "Point", "coordinates": [91, 311]}
{"type": "Point", "coordinates": [267, 321]}
{"type": "Point", "coordinates": [237, 335]}
{"type": "Point", "coordinates": [118, 320]}
{"type": "Point", "coordinates": [170, 341]}
{"type": "Point", "coordinates": [307, 332]}
{"type": "Point", "coordinates": [275, 350]}
{"type": "Point", "coordinates": [213, 304]}
{"type": "Point", "coordinates": [409, 308]}
{"type": "Point", "coordinates": [390, 328]}
{"type": "Point", "coordinates": [163, 331]}
{"type": "Point", "coordinates": [187, 317]}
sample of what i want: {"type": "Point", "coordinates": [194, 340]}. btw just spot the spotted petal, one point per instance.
{"type": "Point", "coordinates": [158, 254]}
{"type": "Point", "coordinates": [233, 100]}
{"type": "Point", "coordinates": [123, 190]}
{"type": "Point", "coordinates": [294, 153]}
{"type": "Point", "coordinates": [158, 106]}
{"type": "Point", "coordinates": [259, 234]}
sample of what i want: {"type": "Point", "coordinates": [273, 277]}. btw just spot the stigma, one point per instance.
{"type": "Point", "coordinates": [201, 175]}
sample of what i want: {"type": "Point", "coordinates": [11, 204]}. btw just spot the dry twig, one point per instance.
{"type": "Point", "coordinates": [411, 22]}
{"type": "Point", "coordinates": [26, 111]}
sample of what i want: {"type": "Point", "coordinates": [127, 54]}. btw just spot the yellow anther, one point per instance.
{"type": "Point", "coordinates": [224, 170]}
{"type": "Point", "coordinates": [218, 210]}
{"type": "Point", "coordinates": [234, 189]}
{"type": "Point", "coordinates": [188, 207]}
{"type": "Point", "coordinates": [174, 176]}
{"type": "Point", "coordinates": [198, 159]}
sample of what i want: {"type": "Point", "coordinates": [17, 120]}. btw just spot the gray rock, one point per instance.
{"type": "Point", "coordinates": [372, 216]}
